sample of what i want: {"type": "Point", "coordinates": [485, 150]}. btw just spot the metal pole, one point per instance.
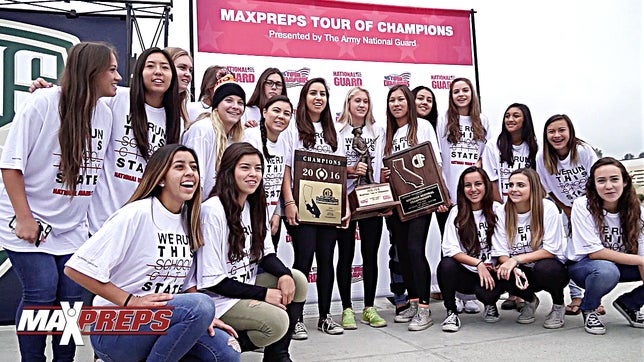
{"type": "Point", "coordinates": [191, 26]}
{"type": "Point", "coordinates": [476, 59]}
{"type": "Point", "coordinates": [128, 21]}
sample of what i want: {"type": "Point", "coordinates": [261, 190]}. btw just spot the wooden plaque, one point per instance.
{"type": "Point", "coordinates": [416, 182]}
{"type": "Point", "coordinates": [371, 200]}
{"type": "Point", "coordinates": [320, 187]}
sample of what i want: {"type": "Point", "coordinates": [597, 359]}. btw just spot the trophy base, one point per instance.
{"type": "Point", "coordinates": [371, 200]}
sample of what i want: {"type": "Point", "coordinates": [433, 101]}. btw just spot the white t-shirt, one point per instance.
{"type": "Point", "coordinates": [452, 244]}
{"type": "Point", "coordinates": [32, 147]}
{"type": "Point", "coordinates": [570, 180]}
{"type": "Point", "coordinates": [124, 165]}
{"type": "Point", "coordinates": [273, 167]}
{"type": "Point", "coordinates": [586, 239]}
{"type": "Point", "coordinates": [424, 133]}
{"type": "Point", "coordinates": [202, 139]}
{"type": "Point", "coordinates": [293, 142]}
{"type": "Point", "coordinates": [498, 171]}
{"type": "Point", "coordinates": [552, 233]}
{"type": "Point", "coordinates": [195, 109]}
{"type": "Point", "coordinates": [374, 136]}
{"type": "Point", "coordinates": [251, 113]}
{"type": "Point", "coordinates": [211, 261]}
{"type": "Point", "coordinates": [143, 249]}
{"type": "Point", "coordinates": [459, 156]}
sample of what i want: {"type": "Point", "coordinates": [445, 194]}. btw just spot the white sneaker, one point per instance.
{"type": "Point", "coordinates": [421, 320]}
{"type": "Point", "coordinates": [460, 305]}
{"type": "Point", "coordinates": [471, 307]}
{"type": "Point", "coordinates": [408, 314]}
{"type": "Point", "coordinates": [451, 323]}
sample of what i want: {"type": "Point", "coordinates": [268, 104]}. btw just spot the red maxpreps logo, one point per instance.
{"type": "Point", "coordinates": [70, 322]}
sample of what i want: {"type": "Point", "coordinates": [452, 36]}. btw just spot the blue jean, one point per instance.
{"type": "Point", "coordinates": [599, 277]}
{"type": "Point", "coordinates": [186, 338]}
{"type": "Point", "coordinates": [43, 284]}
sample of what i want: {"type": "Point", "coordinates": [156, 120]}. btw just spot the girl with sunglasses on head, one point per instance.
{"type": "Point", "coordinates": [607, 244]}
{"type": "Point", "coordinates": [120, 265]}
{"type": "Point", "coordinates": [202, 104]}
{"type": "Point", "coordinates": [51, 160]}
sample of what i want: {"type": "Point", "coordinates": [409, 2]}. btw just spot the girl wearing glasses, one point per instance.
{"type": "Point", "coordinates": [271, 83]}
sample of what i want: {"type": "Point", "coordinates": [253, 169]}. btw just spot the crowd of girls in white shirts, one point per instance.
{"type": "Point", "coordinates": [114, 170]}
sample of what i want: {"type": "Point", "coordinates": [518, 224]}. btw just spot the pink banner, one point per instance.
{"type": "Point", "coordinates": [334, 30]}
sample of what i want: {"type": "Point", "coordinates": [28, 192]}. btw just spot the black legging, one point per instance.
{"type": "Point", "coordinates": [310, 240]}
{"type": "Point", "coordinates": [370, 232]}
{"type": "Point", "coordinates": [454, 277]}
{"type": "Point", "coordinates": [546, 274]}
{"type": "Point", "coordinates": [411, 238]}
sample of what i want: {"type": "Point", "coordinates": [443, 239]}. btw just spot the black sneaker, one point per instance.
{"type": "Point", "coordinates": [491, 314]}
{"type": "Point", "coordinates": [593, 324]}
{"type": "Point", "coordinates": [634, 317]}
{"type": "Point", "coordinates": [452, 323]}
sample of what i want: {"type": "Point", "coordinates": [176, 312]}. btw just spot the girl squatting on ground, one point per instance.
{"type": "Point", "coordinates": [119, 264]}
{"type": "Point", "coordinates": [608, 243]}
{"type": "Point", "coordinates": [262, 308]}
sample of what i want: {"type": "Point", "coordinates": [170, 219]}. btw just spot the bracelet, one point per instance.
{"type": "Point", "coordinates": [292, 202]}
{"type": "Point", "coordinates": [127, 300]}
{"type": "Point", "coordinates": [517, 260]}
{"type": "Point", "coordinates": [479, 263]}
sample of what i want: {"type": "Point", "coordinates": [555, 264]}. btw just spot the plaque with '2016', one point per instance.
{"type": "Point", "coordinates": [319, 187]}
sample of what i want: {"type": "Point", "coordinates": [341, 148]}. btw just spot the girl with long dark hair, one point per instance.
{"type": "Point", "coordinates": [313, 130]}
{"type": "Point", "coordinates": [564, 165]}
{"type": "Point", "coordinates": [608, 243]}
{"type": "Point", "coordinates": [263, 308]}
{"type": "Point", "coordinates": [144, 118]}
{"type": "Point", "coordinates": [467, 266]}
{"type": "Point", "coordinates": [51, 160]}
{"type": "Point", "coordinates": [276, 116]}
{"type": "Point", "coordinates": [410, 237]}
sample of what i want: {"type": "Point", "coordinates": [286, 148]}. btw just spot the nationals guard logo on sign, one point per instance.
{"type": "Point", "coordinates": [70, 321]}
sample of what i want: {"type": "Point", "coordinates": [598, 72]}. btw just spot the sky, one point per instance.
{"type": "Point", "coordinates": [581, 58]}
